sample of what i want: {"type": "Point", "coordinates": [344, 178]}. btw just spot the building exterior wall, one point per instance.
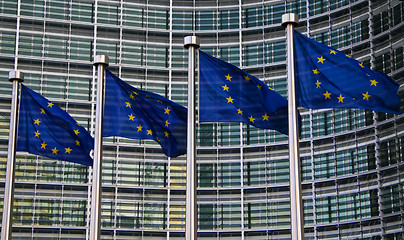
{"type": "Point", "coordinates": [351, 159]}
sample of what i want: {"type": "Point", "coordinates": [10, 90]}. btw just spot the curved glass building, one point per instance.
{"type": "Point", "coordinates": [351, 160]}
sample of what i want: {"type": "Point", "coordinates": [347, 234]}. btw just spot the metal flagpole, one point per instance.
{"type": "Point", "coordinates": [101, 61]}
{"type": "Point", "coordinates": [191, 224]}
{"type": "Point", "coordinates": [16, 77]}
{"type": "Point", "coordinates": [296, 206]}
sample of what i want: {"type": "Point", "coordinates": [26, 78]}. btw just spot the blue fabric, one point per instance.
{"type": "Point", "coordinates": [228, 94]}
{"type": "Point", "coordinates": [45, 129]}
{"type": "Point", "coordinates": [137, 114]}
{"type": "Point", "coordinates": [327, 78]}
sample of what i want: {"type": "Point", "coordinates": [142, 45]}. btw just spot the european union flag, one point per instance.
{"type": "Point", "coordinates": [229, 94]}
{"type": "Point", "coordinates": [137, 114]}
{"type": "Point", "coordinates": [45, 129]}
{"type": "Point", "coordinates": [327, 78]}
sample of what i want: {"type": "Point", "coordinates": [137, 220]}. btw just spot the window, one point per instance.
{"type": "Point", "coordinates": [58, 9]}
{"type": "Point", "coordinates": [108, 14]}
{"type": "Point", "coordinates": [82, 11]}
{"type": "Point", "coordinates": [32, 8]}
{"type": "Point", "coordinates": [182, 20]}
{"type": "Point", "coordinates": [206, 20]}
{"type": "Point", "coordinates": [7, 43]}
{"type": "Point", "coordinates": [252, 17]}
{"type": "Point", "coordinates": [228, 19]}
{"type": "Point", "coordinates": [134, 16]}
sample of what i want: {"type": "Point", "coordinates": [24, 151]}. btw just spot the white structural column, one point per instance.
{"type": "Point", "coordinates": [289, 20]}
{"type": "Point", "coordinates": [191, 222]}
{"type": "Point", "coordinates": [16, 77]}
{"type": "Point", "coordinates": [101, 61]}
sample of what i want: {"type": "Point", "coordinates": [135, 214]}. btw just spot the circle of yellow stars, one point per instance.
{"type": "Point", "coordinates": [44, 145]}
{"type": "Point", "coordinates": [229, 99]}
{"type": "Point", "coordinates": [327, 95]}
{"type": "Point", "coordinates": [139, 127]}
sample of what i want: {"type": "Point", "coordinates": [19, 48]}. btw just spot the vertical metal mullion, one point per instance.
{"type": "Point", "coordinates": [240, 42]}
{"type": "Point", "coordinates": [17, 34]}
{"type": "Point", "coordinates": [376, 131]}
{"type": "Point", "coordinates": [170, 74]}
{"type": "Point", "coordinates": [311, 133]}
{"type": "Point", "coordinates": [116, 186]}
{"type": "Point", "coordinates": [121, 6]}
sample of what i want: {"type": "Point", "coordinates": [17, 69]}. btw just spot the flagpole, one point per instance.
{"type": "Point", "coordinates": [101, 61]}
{"type": "Point", "coordinates": [289, 20]}
{"type": "Point", "coordinates": [191, 223]}
{"type": "Point", "coordinates": [16, 77]}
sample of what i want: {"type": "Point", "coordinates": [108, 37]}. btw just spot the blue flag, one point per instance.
{"type": "Point", "coordinates": [228, 94]}
{"type": "Point", "coordinates": [137, 114]}
{"type": "Point", "coordinates": [45, 129]}
{"type": "Point", "coordinates": [327, 78]}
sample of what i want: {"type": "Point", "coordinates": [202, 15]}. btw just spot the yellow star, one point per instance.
{"type": "Point", "coordinates": [225, 88]}
{"type": "Point", "coordinates": [68, 150]}
{"type": "Point", "coordinates": [127, 104]}
{"type": "Point", "coordinates": [55, 151]}
{"type": "Point", "coordinates": [340, 98]}
{"type": "Point", "coordinates": [347, 55]}
{"type": "Point", "coordinates": [36, 121]}
{"type": "Point", "coordinates": [37, 133]}
{"type": "Point", "coordinates": [167, 123]}
{"type": "Point", "coordinates": [259, 86]}
{"type": "Point", "coordinates": [318, 84]}
{"type": "Point", "coordinates": [166, 134]}
{"type": "Point", "coordinates": [159, 101]}
{"type": "Point", "coordinates": [361, 64]}
{"type": "Point", "coordinates": [131, 96]}
{"type": "Point", "coordinates": [333, 52]}
{"type": "Point", "coordinates": [373, 82]}
{"type": "Point", "coordinates": [166, 110]}
{"type": "Point", "coordinates": [149, 132]}
{"type": "Point", "coordinates": [42, 111]}
{"type": "Point", "coordinates": [135, 93]}
{"type": "Point", "coordinates": [251, 119]}
{"type": "Point", "coordinates": [139, 128]}
{"type": "Point", "coordinates": [327, 95]}
{"type": "Point", "coordinates": [366, 95]}
{"type": "Point", "coordinates": [315, 71]}
{"type": "Point", "coordinates": [158, 140]}
{"type": "Point", "coordinates": [239, 111]}
{"type": "Point", "coordinates": [271, 88]}
{"type": "Point", "coordinates": [320, 59]}
{"type": "Point", "coordinates": [43, 145]}
{"type": "Point", "coordinates": [228, 77]}
{"type": "Point", "coordinates": [131, 117]}
{"type": "Point", "coordinates": [50, 104]}
{"type": "Point", "coordinates": [266, 117]}
{"type": "Point", "coordinates": [229, 100]}
{"type": "Point", "coordinates": [77, 143]}
{"type": "Point", "coordinates": [78, 124]}
{"type": "Point", "coordinates": [247, 78]}
{"type": "Point", "coordinates": [76, 132]}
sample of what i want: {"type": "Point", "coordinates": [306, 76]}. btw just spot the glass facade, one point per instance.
{"type": "Point", "coordinates": [352, 161]}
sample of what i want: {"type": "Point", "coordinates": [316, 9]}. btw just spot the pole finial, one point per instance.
{"type": "Point", "coordinates": [16, 75]}
{"type": "Point", "coordinates": [191, 41]}
{"type": "Point", "coordinates": [101, 59]}
{"type": "Point", "coordinates": [290, 18]}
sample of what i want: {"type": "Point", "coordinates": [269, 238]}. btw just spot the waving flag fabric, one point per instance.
{"type": "Point", "coordinates": [229, 94]}
{"type": "Point", "coordinates": [45, 129]}
{"type": "Point", "coordinates": [137, 114]}
{"type": "Point", "coordinates": [327, 78]}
